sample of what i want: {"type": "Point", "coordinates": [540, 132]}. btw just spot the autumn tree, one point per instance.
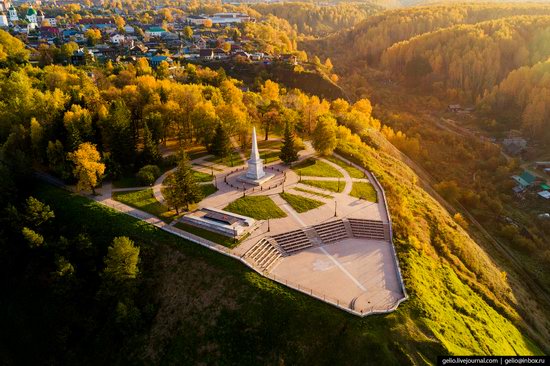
{"type": "Point", "coordinates": [93, 36]}
{"type": "Point", "coordinates": [187, 32]}
{"type": "Point", "coordinates": [88, 168]}
{"type": "Point", "coordinates": [324, 136]}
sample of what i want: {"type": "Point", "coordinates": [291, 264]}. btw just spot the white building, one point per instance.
{"type": "Point", "coordinates": [13, 14]}
{"type": "Point", "coordinates": [51, 21]}
{"type": "Point", "coordinates": [3, 20]}
{"type": "Point", "coordinates": [117, 39]}
{"type": "Point", "coordinates": [229, 18]}
{"type": "Point", "coordinates": [32, 16]}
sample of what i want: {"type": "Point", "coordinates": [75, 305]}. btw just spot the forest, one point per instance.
{"type": "Point", "coordinates": [312, 19]}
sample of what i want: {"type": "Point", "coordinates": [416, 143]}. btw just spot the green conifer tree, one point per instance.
{"type": "Point", "coordinates": [289, 152]}
{"type": "Point", "coordinates": [221, 145]}
{"type": "Point", "coordinates": [150, 153]}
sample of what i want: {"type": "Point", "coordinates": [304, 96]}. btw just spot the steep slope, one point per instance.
{"type": "Point", "coordinates": [368, 40]}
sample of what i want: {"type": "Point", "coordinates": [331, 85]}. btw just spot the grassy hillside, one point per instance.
{"type": "Point", "coordinates": [213, 309]}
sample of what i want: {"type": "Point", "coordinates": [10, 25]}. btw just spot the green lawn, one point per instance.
{"type": "Point", "coordinates": [208, 189]}
{"type": "Point", "coordinates": [316, 168]}
{"type": "Point", "coordinates": [329, 185]}
{"type": "Point", "coordinates": [233, 160]}
{"type": "Point", "coordinates": [300, 203]}
{"type": "Point", "coordinates": [352, 171]}
{"type": "Point", "coordinates": [364, 190]}
{"type": "Point", "coordinates": [269, 156]}
{"type": "Point", "coordinates": [312, 192]}
{"type": "Point", "coordinates": [269, 144]}
{"type": "Point", "coordinates": [202, 177]}
{"type": "Point", "coordinates": [145, 201]}
{"type": "Point", "coordinates": [226, 241]}
{"type": "Point", "coordinates": [257, 207]}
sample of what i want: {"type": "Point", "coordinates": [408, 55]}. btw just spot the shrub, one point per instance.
{"type": "Point", "coordinates": [148, 174]}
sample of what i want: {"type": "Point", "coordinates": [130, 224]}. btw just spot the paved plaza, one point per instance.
{"type": "Point", "coordinates": [340, 252]}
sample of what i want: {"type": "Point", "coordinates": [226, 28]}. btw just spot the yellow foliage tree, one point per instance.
{"type": "Point", "coordinates": [88, 167]}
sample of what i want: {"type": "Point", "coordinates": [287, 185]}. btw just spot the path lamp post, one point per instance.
{"type": "Point", "coordinates": [212, 171]}
{"type": "Point", "coordinates": [244, 191]}
{"type": "Point", "coordinates": [335, 206]}
{"type": "Point", "coordinates": [268, 226]}
{"type": "Point", "coordinates": [338, 184]}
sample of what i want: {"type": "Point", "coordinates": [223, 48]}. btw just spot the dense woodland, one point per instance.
{"type": "Point", "coordinates": [317, 20]}
{"type": "Point", "coordinates": [65, 283]}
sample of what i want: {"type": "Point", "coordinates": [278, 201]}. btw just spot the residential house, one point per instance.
{"type": "Point", "coordinates": [117, 38]}
{"type": "Point", "coordinates": [195, 19]}
{"type": "Point", "coordinates": [206, 53]}
{"type": "Point", "coordinates": [524, 181]}
{"type": "Point", "coordinates": [49, 32]}
{"type": "Point", "coordinates": [155, 61]}
{"type": "Point", "coordinates": [138, 50]}
{"type": "Point", "coordinates": [220, 54]}
{"type": "Point", "coordinates": [81, 57]}
{"type": "Point", "coordinates": [155, 32]}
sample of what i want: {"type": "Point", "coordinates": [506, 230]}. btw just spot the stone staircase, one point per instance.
{"type": "Point", "coordinates": [369, 229]}
{"type": "Point", "coordinates": [331, 231]}
{"type": "Point", "coordinates": [264, 254]}
{"type": "Point", "coordinates": [293, 241]}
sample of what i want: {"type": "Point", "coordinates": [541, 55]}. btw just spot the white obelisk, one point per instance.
{"type": "Point", "coordinates": [255, 164]}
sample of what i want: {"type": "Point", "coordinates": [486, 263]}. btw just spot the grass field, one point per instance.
{"type": "Point", "coordinates": [364, 190]}
{"type": "Point", "coordinates": [233, 160]}
{"type": "Point", "coordinates": [300, 203]}
{"type": "Point", "coordinates": [208, 189]}
{"type": "Point", "coordinates": [145, 201]}
{"type": "Point", "coordinates": [257, 207]}
{"type": "Point", "coordinates": [316, 168]}
{"type": "Point", "coordinates": [326, 184]}
{"type": "Point", "coordinates": [202, 177]}
{"type": "Point", "coordinates": [269, 144]}
{"type": "Point", "coordinates": [352, 171]}
{"type": "Point", "coordinates": [269, 156]}
{"type": "Point", "coordinates": [312, 192]}
{"type": "Point", "coordinates": [250, 320]}
{"type": "Point", "coordinates": [226, 241]}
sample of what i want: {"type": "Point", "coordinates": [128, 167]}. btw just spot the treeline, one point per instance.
{"type": "Point", "coordinates": [318, 20]}
{"type": "Point", "coordinates": [368, 40]}
{"type": "Point", "coordinates": [522, 102]}
{"type": "Point", "coordinates": [465, 61]}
